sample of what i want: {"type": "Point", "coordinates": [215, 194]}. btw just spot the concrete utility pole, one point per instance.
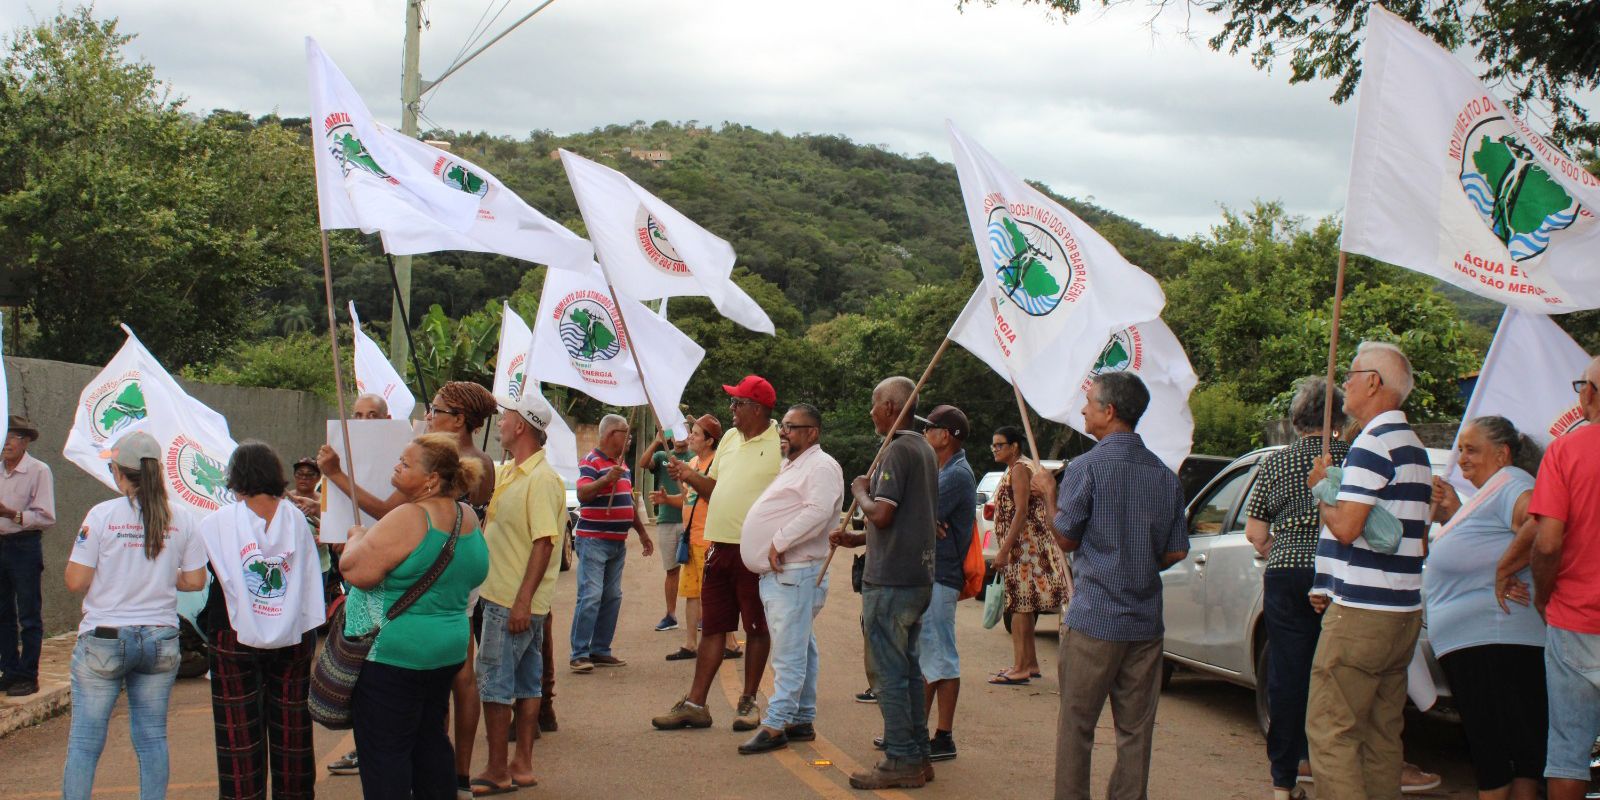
{"type": "Point", "coordinates": [410, 95]}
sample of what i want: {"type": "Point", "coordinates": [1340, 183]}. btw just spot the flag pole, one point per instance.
{"type": "Point", "coordinates": [1022, 405]}
{"type": "Point", "coordinates": [416, 362]}
{"type": "Point", "coordinates": [1333, 356]}
{"type": "Point", "coordinates": [338, 380]}
{"type": "Point", "coordinates": [899, 421]}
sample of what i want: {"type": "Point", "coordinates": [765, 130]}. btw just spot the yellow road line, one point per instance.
{"type": "Point", "coordinates": [732, 681]}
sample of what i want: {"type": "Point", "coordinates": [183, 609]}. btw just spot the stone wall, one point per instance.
{"type": "Point", "coordinates": [47, 391]}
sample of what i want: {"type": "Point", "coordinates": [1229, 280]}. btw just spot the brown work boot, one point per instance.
{"type": "Point", "coordinates": [748, 717]}
{"type": "Point", "coordinates": [683, 715]}
{"type": "Point", "coordinates": [891, 773]}
{"type": "Point", "coordinates": [927, 771]}
{"type": "Point", "coordinates": [547, 718]}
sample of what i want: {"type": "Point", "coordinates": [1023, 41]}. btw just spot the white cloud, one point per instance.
{"type": "Point", "coordinates": [1154, 126]}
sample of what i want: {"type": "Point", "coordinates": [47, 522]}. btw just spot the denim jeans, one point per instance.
{"type": "Point", "coordinates": [144, 658]}
{"type": "Point", "coordinates": [1572, 679]}
{"type": "Point", "coordinates": [21, 565]}
{"type": "Point", "coordinates": [792, 599]}
{"type": "Point", "coordinates": [594, 618]}
{"type": "Point", "coordinates": [1292, 631]}
{"type": "Point", "coordinates": [891, 622]}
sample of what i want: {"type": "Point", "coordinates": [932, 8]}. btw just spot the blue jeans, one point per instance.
{"type": "Point", "coordinates": [1292, 631]}
{"type": "Point", "coordinates": [594, 618]}
{"type": "Point", "coordinates": [791, 600]}
{"type": "Point", "coordinates": [21, 565]}
{"type": "Point", "coordinates": [145, 659]}
{"type": "Point", "coordinates": [1572, 681]}
{"type": "Point", "coordinates": [891, 622]}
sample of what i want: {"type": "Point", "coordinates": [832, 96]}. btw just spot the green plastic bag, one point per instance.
{"type": "Point", "coordinates": [994, 602]}
{"type": "Point", "coordinates": [1382, 531]}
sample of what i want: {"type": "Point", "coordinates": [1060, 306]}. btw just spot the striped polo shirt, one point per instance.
{"type": "Point", "coordinates": [608, 515]}
{"type": "Point", "coordinates": [1387, 467]}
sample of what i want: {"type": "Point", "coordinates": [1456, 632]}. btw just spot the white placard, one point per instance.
{"type": "Point", "coordinates": [378, 444]}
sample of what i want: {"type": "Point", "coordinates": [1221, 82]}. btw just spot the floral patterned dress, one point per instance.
{"type": "Point", "coordinates": [1037, 578]}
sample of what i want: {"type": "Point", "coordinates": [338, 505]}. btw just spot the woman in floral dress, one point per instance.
{"type": "Point", "coordinates": [1032, 567]}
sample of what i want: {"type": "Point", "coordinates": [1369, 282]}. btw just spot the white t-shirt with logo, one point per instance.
{"type": "Point", "coordinates": [129, 589]}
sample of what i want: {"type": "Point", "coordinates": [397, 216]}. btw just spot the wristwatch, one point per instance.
{"type": "Point", "coordinates": [18, 518]}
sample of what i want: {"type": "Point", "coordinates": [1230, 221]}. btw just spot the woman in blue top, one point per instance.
{"type": "Point", "coordinates": [1492, 651]}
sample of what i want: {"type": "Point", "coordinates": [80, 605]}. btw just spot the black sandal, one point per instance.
{"type": "Point", "coordinates": [681, 654]}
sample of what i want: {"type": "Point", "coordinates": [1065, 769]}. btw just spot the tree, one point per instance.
{"type": "Point", "coordinates": [1542, 51]}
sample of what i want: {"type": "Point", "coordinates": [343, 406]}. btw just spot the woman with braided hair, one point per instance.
{"type": "Point", "coordinates": [459, 409]}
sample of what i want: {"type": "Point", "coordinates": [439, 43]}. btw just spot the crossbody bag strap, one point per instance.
{"type": "Point", "coordinates": [428, 578]}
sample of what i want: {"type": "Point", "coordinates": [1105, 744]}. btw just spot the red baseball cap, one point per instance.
{"type": "Point", "coordinates": [753, 387]}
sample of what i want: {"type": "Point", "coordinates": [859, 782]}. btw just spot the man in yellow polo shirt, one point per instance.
{"type": "Point", "coordinates": [525, 520]}
{"type": "Point", "coordinates": [747, 460]}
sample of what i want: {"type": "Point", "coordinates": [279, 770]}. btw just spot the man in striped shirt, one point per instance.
{"type": "Point", "coordinates": [606, 513]}
{"type": "Point", "coordinates": [1371, 601]}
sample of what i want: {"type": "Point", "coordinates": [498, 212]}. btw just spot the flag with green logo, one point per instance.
{"type": "Point", "coordinates": [133, 392]}
{"type": "Point", "coordinates": [375, 375]}
{"type": "Point", "coordinates": [362, 181]}
{"type": "Point", "coordinates": [511, 380]}
{"type": "Point", "coordinates": [1445, 180]}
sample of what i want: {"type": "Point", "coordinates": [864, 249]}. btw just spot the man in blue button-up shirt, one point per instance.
{"type": "Point", "coordinates": [1120, 509]}
{"type": "Point", "coordinates": [946, 431]}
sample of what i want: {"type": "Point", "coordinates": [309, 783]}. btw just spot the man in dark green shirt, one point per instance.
{"type": "Point", "coordinates": [669, 519]}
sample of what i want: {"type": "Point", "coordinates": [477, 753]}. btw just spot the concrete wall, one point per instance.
{"type": "Point", "coordinates": [47, 392]}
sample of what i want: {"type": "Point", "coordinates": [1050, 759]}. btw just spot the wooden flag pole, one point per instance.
{"type": "Point", "coordinates": [1333, 357]}
{"type": "Point", "coordinates": [899, 422]}
{"type": "Point", "coordinates": [338, 381]}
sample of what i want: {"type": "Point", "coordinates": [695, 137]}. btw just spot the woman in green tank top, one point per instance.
{"type": "Point", "coordinates": [398, 708]}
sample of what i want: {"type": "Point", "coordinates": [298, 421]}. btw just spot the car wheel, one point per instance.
{"type": "Point", "coordinates": [1168, 667]}
{"type": "Point", "coordinates": [1263, 711]}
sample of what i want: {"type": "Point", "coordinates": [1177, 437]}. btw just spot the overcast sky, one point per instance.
{"type": "Point", "coordinates": [1150, 124]}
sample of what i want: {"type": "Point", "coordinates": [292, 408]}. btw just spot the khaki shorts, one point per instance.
{"type": "Point", "coordinates": [667, 536]}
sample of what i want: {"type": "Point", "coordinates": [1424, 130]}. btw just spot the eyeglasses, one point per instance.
{"type": "Point", "coordinates": [786, 427]}
{"type": "Point", "coordinates": [735, 402]}
{"type": "Point", "coordinates": [1000, 445]}
{"type": "Point", "coordinates": [1349, 372]}
{"type": "Point", "coordinates": [437, 410]}
{"type": "Point", "coordinates": [1577, 385]}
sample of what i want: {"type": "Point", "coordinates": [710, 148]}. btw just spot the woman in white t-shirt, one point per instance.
{"type": "Point", "coordinates": [131, 557]}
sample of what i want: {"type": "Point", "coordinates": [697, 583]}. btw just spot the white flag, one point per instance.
{"type": "Point", "coordinates": [630, 228]}
{"type": "Point", "coordinates": [511, 380]}
{"type": "Point", "coordinates": [5, 392]}
{"type": "Point", "coordinates": [133, 392]}
{"type": "Point", "coordinates": [504, 224]}
{"type": "Point", "coordinates": [376, 375]}
{"type": "Point", "coordinates": [578, 341]}
{"type": "Point", "coordinates": [1148, 350]}
{"type": "Point", "coordinates": [1527, 378]}
{"type": "Point", "coordinates": [1054, 281]}
{"type": "Point", "coordinates": [1446, 181]}
{"type": "Point", "coordinates": [363, 182]}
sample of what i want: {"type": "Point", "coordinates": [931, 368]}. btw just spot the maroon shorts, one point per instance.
{"type": "Point", "coordinates": [730, 592]}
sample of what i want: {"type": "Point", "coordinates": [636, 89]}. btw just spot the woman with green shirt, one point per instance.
{"type": "Point", "coordinates": [399, 704]}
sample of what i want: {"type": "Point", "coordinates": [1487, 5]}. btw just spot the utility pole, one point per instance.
{"type": "Point", "coordinates": [410, 95]}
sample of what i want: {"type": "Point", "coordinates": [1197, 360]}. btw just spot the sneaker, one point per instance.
{"type": "Point", "coordinates": [607, 661]}
{"type": "Point", "coordinates": [877, 743]}
{"type": "Point", "coordinates": [345, 766]}
{"type": "Point", "coordinates": [667, 623]}
{"type": "Point", "coordinates": [749, 715]}
{"type": "Point", "coordinates": [22, 687]}
{"type": "Point", "coordinates": [891, 773]}
{"type": "Point", "coordinates": [1303, 774]}
{"type": "Point", "coordinates": [581, 665]}
{"type": "Point", "coordinates": [1413, 779]}
{"type": "Point", "coordinates": [942, 747]}
{"type": "Point", "coordinates": [804, 732]}
{"type": "Point", "coordinates": [683, 715]}
{"type": "Point", "coordinates": [867, 696]}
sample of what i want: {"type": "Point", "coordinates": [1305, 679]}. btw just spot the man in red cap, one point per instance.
{"type": "Point", "coordinates": [747, 461]}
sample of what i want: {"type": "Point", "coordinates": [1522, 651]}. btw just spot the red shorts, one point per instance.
{"type": "Point", "coordinates": [729, 592]}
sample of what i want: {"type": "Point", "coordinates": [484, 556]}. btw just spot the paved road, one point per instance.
{"type": "Point", "coordinates": [1206, 742]}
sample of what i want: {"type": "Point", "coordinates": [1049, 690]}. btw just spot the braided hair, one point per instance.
{"type": "Point", "coordinates": [474, 401]}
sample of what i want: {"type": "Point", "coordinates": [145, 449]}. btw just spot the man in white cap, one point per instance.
{"type": "Point", "coordinates": [525, 519]}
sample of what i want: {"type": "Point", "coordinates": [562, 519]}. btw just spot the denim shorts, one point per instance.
{"type": "Point", "coordinates": [937, 645]}
{"type": "Point", "coordinates": [509, 664]}
{"type": "Point", "coordinates": [1572, 684]}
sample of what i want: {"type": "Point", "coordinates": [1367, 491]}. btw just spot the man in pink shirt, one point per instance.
{"type": "Point", "coordinates": [1566, 577]}
{"type": "Point", "coordinates": [785, 541]}
{"type": "Point", "coordinates": [27, 508]}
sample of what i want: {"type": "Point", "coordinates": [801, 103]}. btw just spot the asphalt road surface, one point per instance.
{"type": "Point", "coordinates": [1206, 741]}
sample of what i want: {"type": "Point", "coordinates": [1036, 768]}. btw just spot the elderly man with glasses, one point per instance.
{"type": "Point", "coordinates": [606, 512]}
{"type": "Point", "coordinates": [747, 462]}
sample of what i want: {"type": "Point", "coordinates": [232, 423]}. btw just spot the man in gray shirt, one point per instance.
{"type": "Point", "coordinates": [898, 501]}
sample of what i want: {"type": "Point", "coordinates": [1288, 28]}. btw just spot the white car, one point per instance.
{"type": "Point", "coordinates": [1212, 599]}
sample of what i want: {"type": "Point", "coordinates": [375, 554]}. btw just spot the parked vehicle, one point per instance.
{"type": "Point", "coordinates": [1212, 599]}
{"type": "Point", "coordinates": [569, 556]}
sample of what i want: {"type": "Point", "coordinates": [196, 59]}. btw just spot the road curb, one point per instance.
{"type": "Point", "coordinates": [55, 688]}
